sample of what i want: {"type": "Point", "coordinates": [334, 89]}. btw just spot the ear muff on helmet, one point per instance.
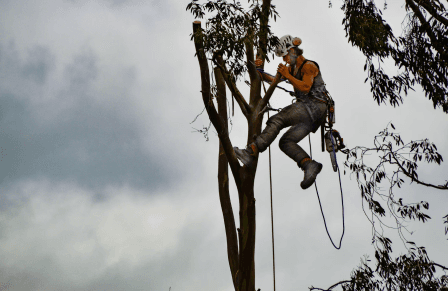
{"type": "Point", "coordinates": [286, 42]}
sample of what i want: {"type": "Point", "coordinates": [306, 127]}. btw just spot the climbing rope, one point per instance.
{"type": "Point", "coordinates": [272, 212]}
{"type": "Point", "coordinates": [342, 196]}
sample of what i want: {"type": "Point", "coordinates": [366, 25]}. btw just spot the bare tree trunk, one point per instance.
{"type": "Point", "coordinates": [223, 184]}
{"type": "Point", "coordinates": [247, 231]}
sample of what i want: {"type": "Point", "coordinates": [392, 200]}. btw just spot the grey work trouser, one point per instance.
{"type": "Point", "coordinates": [298, 117]}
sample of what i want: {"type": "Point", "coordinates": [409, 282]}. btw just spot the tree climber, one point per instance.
{"type": "Point", "coordinates": [303, 116]}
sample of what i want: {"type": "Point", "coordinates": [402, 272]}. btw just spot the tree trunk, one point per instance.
{"type": "Point", "coordinates": [241, 251]}
{"type": "Point", "coordinates": [223, 184]}
{"type": "Point", "coordinates": [246, 279]}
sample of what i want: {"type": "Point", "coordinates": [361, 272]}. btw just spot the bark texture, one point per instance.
{"type": "Point", "coordinates": [223, 183]}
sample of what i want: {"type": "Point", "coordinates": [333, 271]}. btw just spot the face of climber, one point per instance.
{"type": "Point", "coordinates": [291, 57]}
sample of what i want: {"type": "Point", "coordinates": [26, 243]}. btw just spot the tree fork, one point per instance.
{"type": "Point", "coordinates": [216, 120]}
{"type": "Point", "coordinates": [244, 176]}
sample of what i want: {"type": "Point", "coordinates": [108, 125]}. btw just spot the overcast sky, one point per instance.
{"type": "Point", "coordinates": [105, 185]}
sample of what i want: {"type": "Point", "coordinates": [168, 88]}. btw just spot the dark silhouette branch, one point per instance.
{"type": "Point", "coordinates": [435, 43]}
{"type": "Point", "coordinates": [331, 287]}
{"type": "Point", "coordinates": [414, 179]}
{"type": "Point", "coordinates": [432, 11]}
{"type": "Point", "coordinates": [440, 266]}
{"type": "Point", "coordinates": [264, 19]}
{"type": "Point", "coordinates": [216, 120]}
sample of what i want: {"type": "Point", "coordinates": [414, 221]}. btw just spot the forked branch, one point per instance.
{"type": "Point", "coordinates": [216, 120]}
{"type": "Point", "coordinates": [245, 108]}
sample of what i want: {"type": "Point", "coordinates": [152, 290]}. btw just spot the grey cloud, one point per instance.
{"type": "Point", "coordinates": [121, 3]}
{"type": "Point", "coordinates": [82, 71]}
{"type": "Point", "coordinates": [59, 238]}
{"type": "Point", "coordinates": [38, 64]}
{"type": "Point", "coordinates": [85, 140]}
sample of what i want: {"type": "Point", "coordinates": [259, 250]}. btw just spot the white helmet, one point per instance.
{"type": "Point", "coordinates": [286, 42]}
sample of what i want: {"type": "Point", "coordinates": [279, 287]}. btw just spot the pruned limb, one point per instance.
{"type": "Point", "coordinates": [216, 120]}
{"type": "Point", "coordinates": [223, 184]}
{"type": "Point", "coordinates": [331, 287]}
{"type": "Point", "coordinates": [245, 108]}
{"type": "Point", "coordinates": [414, 179]}
{"type": "Point", "coordinates": [269, 92]}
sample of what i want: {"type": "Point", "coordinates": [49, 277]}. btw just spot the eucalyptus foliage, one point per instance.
{"type": "Point", "coordinates": [378, 181]}
{"type": "Point", "coordinates": [420, 52]}
{"type": "Point", "coordinates": [230, 28]}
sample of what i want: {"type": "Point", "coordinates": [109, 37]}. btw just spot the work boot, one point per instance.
{"type": "Point", "coordinates": [311, 169]}
{"type": "Point", "coordinates": [247, 155]}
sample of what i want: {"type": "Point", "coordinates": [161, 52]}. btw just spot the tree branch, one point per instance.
{"type": "Point", "coordinates": [440, 266]}
{"type": "Point", "coordinates": [331, 287]}
{"type": "Point", "coordinates": [440, 187]}
{"type": "Point", "coordinates": [245, 108]}
{"type": "Point", "coordinates": [432, 11]}
{"type": "Point", "coordinates": [269, 93]}
{"type": "Point", "coordinates": [264, 19]}
{"type": "Point", "coordinates": [250, 57]}
{"type": "Point", "coordinates": [255, 80]}
{"type": "Point", "coordinates": [216, 120]}
{"type": "Point", "coordinates": [223, 184]}
{"type": "Point", "coordinates": [427, 27]}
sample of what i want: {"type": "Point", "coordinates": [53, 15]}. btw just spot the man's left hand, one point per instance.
{"type": "Point", "coordinates": [283, 70]}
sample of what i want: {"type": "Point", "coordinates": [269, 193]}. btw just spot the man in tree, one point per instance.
{"type": "Point", "coordinates": [303, 116]}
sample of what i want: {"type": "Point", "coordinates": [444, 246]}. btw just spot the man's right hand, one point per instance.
{"type": "Point", "coordinates": [258, 62]}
